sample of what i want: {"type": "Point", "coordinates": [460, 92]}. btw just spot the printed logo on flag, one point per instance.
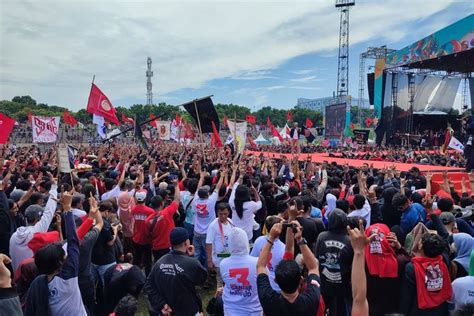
{"type": "Point", "coordinates": [105, 105]}
{"type": "Point", "coordinates": [45, 129]}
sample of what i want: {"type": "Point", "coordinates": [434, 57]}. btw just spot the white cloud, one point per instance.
{"type": "Point", "coordinates": [53, 53]}
{"type": "Point", "coordinates": [254, 75]}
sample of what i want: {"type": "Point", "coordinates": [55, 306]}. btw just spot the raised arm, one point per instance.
{"type": "Point", "coordinates": [360, 306]}
{"type": "Point", "coordinates": [50, 208]}
{"type": "Point", "coordinates": [265, 253]}
{"type": "Point", "coordinates": [71, 266]}
{"type": "Point", "coordinates": [309, 259]}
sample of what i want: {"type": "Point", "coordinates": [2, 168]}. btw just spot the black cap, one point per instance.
{"type": "Point", "coordinates": [178, 236]}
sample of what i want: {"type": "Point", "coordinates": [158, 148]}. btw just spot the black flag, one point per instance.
{"type": "Point", "coordinates": [139, 135]}
{"type": "Point", "coordinates": [307, 133]}
{"type": "Point", "coordinates": [207, 114]}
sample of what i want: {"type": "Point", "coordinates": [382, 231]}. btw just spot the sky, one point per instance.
{"type": "Point", "coordinates": [253, 53]}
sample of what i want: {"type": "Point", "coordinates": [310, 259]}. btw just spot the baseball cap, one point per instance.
{"type": "Point", "coordinates": [447, 218]}
{"type": "Point", "coordinates": [141, 195]}
{"type": "Point", "coordinates": [178, 236]}
{"type": "Point", "coordinates": [41, 239]}
{"type": "Point", "coordinates": [33, 212]}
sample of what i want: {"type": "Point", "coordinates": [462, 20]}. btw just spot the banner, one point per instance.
{"type": "Point", "coordinates": [335, 120]}
{"type": "Point", "coordinates": [378, 87]}
{"type": "Point", "coordinates": [239, 133]}
{"type": "Point", "coordinates": [361, 136]}
{"type": "Point", "coordinates": [45, 129]}
{"type": "Point", "coordinates": [163, 128]}
{"type": "Point", "coordinates": [66, 158]}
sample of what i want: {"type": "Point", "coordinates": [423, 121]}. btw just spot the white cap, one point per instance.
{"type": "Point", "coordinates": [141, 195]}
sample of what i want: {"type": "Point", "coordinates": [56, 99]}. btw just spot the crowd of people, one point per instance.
{"type": "Point", "coordinates": [278, 236]}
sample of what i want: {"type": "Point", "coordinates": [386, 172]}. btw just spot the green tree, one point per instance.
{"type": "Point", "coordinates": [26, 99]}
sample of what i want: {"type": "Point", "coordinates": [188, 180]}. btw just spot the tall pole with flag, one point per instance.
{"type": "Point", "coordinates": [200, 129]}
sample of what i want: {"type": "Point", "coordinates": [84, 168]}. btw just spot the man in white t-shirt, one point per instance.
{"type": "Point", "coordinates": [463, 291]}
{"type": "Point", "coordinates": [239, 274]}
{"type": "Point", "coordinates": [204, 205]}
{"type": "Point", "coordinates": [217, 240]}
{"type": "Point", "coordinates": [276, 252]}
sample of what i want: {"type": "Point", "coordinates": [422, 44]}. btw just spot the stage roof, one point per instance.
{"type": "Point", "coordinates": [449, 49]}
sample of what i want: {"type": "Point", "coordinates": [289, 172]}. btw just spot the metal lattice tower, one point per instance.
{"type": "Point", "coordinates": [149, 85]}
{"type": "Point", "coordinates": [373, 53]}
{"type": "Point", "coordinates": [343, 61]}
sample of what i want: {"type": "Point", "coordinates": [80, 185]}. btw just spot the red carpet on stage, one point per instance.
{"type": "Point", "coordinates": [455, 174]}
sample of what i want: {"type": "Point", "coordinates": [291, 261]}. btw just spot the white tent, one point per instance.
{"type": "Point", "coordinates": [260, 140]}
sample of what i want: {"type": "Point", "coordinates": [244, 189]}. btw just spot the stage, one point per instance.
{"type": "Point", "coordinates": [455, 174]}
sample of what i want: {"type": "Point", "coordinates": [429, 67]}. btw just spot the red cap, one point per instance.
{"type": "Point", "coordinates": [40, 240]}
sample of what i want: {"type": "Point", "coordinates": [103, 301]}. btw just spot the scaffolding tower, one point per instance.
{"type": "Point", "coordinates": [149, 86]}
{"type": "Point", "coordinates": [372, 53]}
{"type": "Point", "coordinates": [343, 60]}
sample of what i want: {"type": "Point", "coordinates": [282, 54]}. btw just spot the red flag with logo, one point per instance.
{"type": "Point", "coordinates": [100, 105]}
{"type": "Point", "coordinates": [6, 127]}
{"type": "Point", "coordinates": [309, 123]}
{"type": "Point", "coordinates": [251, 119]}
{"type": "Point", "coordinates": [128, 120]}
{"type": "Point", "coordinates": [69, 119]}
{"type": "Point", "coordinates": [153, 123]}
{"type": "Point", "coordinates": [216, 139]}
{"type": "Point", "coordinates": [289, 116]}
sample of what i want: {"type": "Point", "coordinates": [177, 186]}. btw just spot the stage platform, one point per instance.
{"type": "Point", "coordinates": [320, 157]}
{"type": "Point", "coordinates": [455, 174]}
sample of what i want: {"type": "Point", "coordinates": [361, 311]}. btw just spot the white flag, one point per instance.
{"type": "Point", "coordinates": [114, 132]}
{"type": "Point", "coordinates": [456, 144]}
{"type": "Point", "coordinates": [45, 128]}
{"type": "Point", "coordinates": [239, 133]}
{"type": "Point", "coordinates": [99, 121]}
{"type": "Point", "coordinates": [163, 128]}
{"type": "Point", "coordinates": [174, 131]}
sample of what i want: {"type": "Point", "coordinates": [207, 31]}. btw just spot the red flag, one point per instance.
{"type": "Point", "coordinates": [352, 126]}
{"type": "Point", "coordinates": [128, 120]}
{"type": "Point", "coordinates": [289, 116]}
{"type": "Point", "coordinates": [275, 133]}
{"type": "Point", "coordinates": [100, 105]}
{"type": "Point", "coordinates": [6, 127]}
{"type": "Point", "coordinates": [225, 120]}
{"type": "Point", "coordinates": [177, 119]}
{"type": "Point", "coordinates": [309, 123]}
{"type": "Point", "coordinates": [288, 130]}
{"type": "Point", "coordinates": [251, 141]}
{"type": "Point", "coordinates": [215, 139]}
{"type": "Point", "coordinates": [188, 131]}
{"type": "Point", "coordinates": [30, 117]}
{"type": "Point", "coordinates": [251, 119]}
{"type": "Point", "coordinates": [269, 123]}
{"type": "Point", "coordinates": [153, 123]}
{"type": "Point", "coordinates": [69, 119]}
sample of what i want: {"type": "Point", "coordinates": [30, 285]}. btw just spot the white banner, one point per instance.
{"type": "Point", "coordinates": [66, 158]}
{"type": "Point", "coordinates": [45, 129]}
{"type": "Point", "coordinates": [163, 128]}
{"type": "Point", "coordinates": [174, 131]}
{"type": "Point", "coordinates": [239, 133]}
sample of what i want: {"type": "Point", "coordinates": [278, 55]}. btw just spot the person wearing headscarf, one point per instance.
{"type": "Point", "coordinates": [331, 204]}
{"type": "Point", "coordinates": [462, 291]}
{"type": "Point", "coordinates": [464, 244]}
{"type": "Point", "coordinates": [239, 274]}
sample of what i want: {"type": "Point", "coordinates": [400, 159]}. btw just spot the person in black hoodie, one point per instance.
{"type": "Point", "coordinates": [334, 252]}
{"type": "Point", "coordinates": [171, 284]}
{"type": "Point", "coordinates": [391, 216]}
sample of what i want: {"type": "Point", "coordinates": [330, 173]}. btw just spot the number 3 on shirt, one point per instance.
{"type": "Point", "coordinates": [241, 274]}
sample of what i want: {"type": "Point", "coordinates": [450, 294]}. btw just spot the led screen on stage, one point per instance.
{"type": "Point", "coordinates": [335, 120]}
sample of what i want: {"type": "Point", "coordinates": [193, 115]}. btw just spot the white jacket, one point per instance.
{"type": "Point", "coordinates": [19, 249]}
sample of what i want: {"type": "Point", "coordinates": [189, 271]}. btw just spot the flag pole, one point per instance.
{"type": "Point", "coordinates": [235, 133]}
{"type": "Point", "coordinates": [199, 125]}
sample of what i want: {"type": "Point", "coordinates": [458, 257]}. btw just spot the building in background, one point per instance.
{"type": "Point", "coordinates": [320, 104]}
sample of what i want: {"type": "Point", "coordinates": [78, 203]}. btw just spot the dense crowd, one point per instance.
{"type": "Point", "coordinates": [280, 236]}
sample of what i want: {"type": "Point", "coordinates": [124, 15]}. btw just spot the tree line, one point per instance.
{"type": "Point", "coordinates": [19, 107]}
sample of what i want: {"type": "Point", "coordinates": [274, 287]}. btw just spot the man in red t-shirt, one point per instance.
{"type": "Point", "coordinates": [141, 236]}
{"type": "Point", "coordinates": [161, 223]}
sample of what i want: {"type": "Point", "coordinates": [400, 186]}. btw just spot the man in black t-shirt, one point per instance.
{"type": "Point", "coordinates": [288, 277]}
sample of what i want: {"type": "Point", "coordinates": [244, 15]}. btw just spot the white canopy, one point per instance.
{"type": "Point", "coordinates": [261, 140]}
